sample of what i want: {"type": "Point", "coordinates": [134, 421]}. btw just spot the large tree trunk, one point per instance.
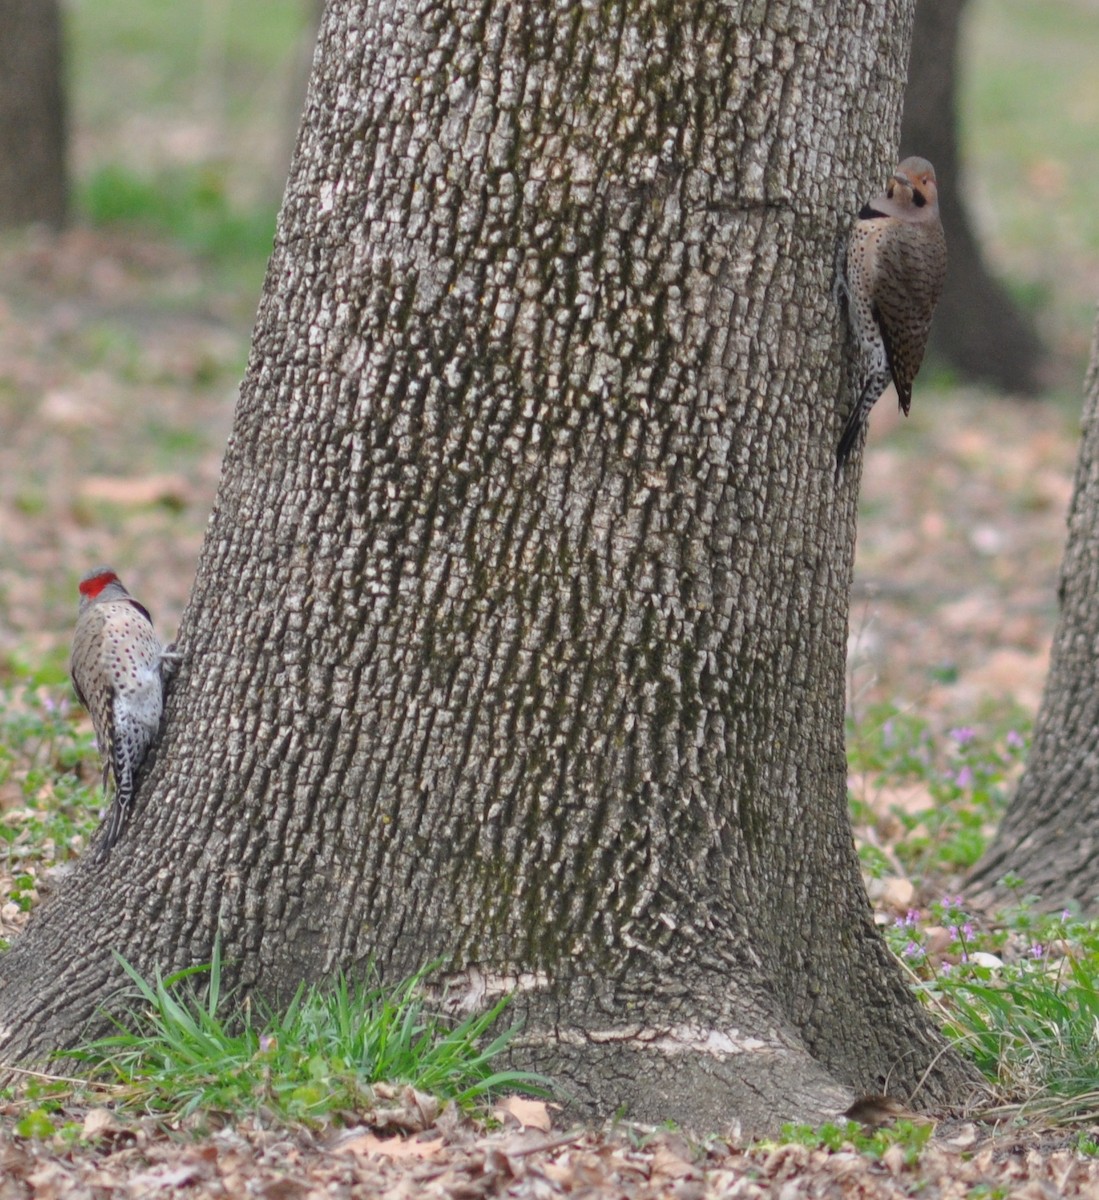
{"type": "Point", "coordinates": [1050, 835]}
{"type": "Point", "coordinates": [978, 329]}
{"type": "Point", "coordinates": [518, 635]}
{"type": "Point", "coordinates": [33, 183]}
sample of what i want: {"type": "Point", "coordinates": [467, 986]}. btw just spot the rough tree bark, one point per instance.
{"type": "Point", "coordinates": [1050, 834]}
{"type": "Point", "coordinates": [33, 181]}
{"type": "Point", "coordinates": [978, 329]}
{"type": "Point", "coordinates": [518, 634]}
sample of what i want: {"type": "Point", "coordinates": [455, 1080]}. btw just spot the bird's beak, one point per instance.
{"type": "Point", "coordinates": [903, 180]}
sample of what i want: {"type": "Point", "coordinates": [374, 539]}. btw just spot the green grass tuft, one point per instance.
{"type": "Point", "coordinates": [1026, 1010]}
{"type": "Point", "coordinates": [318, 1058]}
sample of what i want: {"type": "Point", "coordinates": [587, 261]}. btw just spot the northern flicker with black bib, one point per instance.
{"type": "Point", "coordinates": [895, 268]}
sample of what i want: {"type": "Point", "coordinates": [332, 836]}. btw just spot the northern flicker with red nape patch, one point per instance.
{"type": "Point", "coordinates": [896, 265]}
{"type": "Point", "coordinates": [119, 671]}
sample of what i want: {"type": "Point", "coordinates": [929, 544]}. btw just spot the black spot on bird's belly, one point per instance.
{"type": "Point", "coordinates": [869, 213]}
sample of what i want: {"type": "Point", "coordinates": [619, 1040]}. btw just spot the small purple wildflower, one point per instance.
{"type": "Point", "coordinates": [1015, 739]}
{"type": "Point", "coordinates": [913, 950]}
{"type": "Point", "coordinates": [964, 778]}
{"type": "Point", "coordinates": [963, 735]}
{"type": "Point", "coordinates": [1037, 950]}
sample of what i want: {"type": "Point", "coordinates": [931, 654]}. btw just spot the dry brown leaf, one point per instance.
{"type": "Point", "coordinates": [983, 1159]}
{"type": "Point", "coordinates": [895, 1159]}
{"type": "Point", "coordinates": [531, 1114]}
{"type": "Point", "coordinates": [559, 1170]}
{"type": "Point", "coordinates": [424, 1104]}
{"type": "Point", "coordinates": [734, 1185]}
{"type": "Point", "coordinates": [271, 1189]}
{"type": "Point", "coordinates": [50, 1182]}
{"type": "Point", "coordinates": [145, 1182]}
{"type": "Point", "coordinates": [135, 493]}
{"type": "Point", "coordinates": [846, 1164]}
{"type": "Point", "coordinates": [667, 1163]}
{"type": "Point", "coordinates": [415, 1112]}
{"type": "Point", "coordinates": [896, 893]}
{"type": "Point", "coordinates": [99, 1121]}
{"type": "Point", "coordinates": [367, 1144]}
{"type": "Point", "coordinates": [355, 1142]}
{"type": "Point", "coordinates": [1033, 1189]}
{"type": "Point", "coordinates": [784, 1161]}
{"type": "Point", "coordinates": [1062, 1167]}
{"type": "Point", "coordinates": [964, 1137]}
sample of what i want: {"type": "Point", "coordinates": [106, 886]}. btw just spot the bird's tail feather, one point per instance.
{"type": "Point", "coordinates": [868, 397]}
{"type": "Point", "coordinates": [848, 438]}
{"type": "Point", "coordinates": [119, 810]}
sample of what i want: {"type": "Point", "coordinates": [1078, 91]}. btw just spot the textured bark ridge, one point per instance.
{"type": "Point", "coordinates": [1050, 835]}
{"type": "Point", "coordinates": [518, 635]}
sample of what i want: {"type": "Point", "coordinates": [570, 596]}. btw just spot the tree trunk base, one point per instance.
{"type": "Point", "coordinates": [687, 1075]}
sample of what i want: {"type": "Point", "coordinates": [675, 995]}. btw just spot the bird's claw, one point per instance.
{"type": "Point", "coordinates": [170, 658]}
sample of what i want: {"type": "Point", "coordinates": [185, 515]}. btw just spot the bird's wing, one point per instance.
{"type": "Point", "coordinates": [911, 269]}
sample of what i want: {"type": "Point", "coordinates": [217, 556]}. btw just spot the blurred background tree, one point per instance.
{"type": "Point", "coordinates": [1050, 832]}
{"type": "Point", "coordinates": [33, 126]}
{"type": "Point", "coordinates": [979, 330]}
